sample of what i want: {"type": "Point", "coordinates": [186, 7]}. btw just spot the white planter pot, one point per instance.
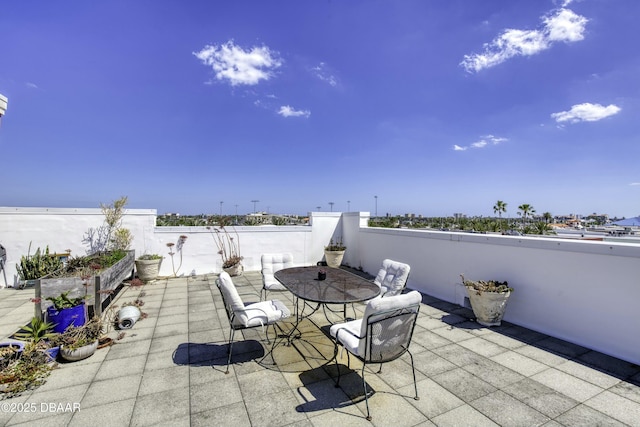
{"type": "Point", "coordinates": [235, 270]}
{"type": "Point", "coordinates": [128, 316]}
{"type": "Point", "coordinates": [79, 353]}
{"type": "Point", "coordinates": [333, 258]}
{"type": "Point", "coordinates": [148, 269]}
{"type": "Point", "coordinates": [488, 307]}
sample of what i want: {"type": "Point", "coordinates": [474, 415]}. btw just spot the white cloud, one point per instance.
{"type": "Point", "coordinates": [31, 85]}
{"type": "Point", "coordinates": [586, 112]}
{"type": "Point", "coordinates": [288, 111]}
{"type": "Point", "coordinates": [322, 73]}
{"type": "Point", "coordinates": [561, 25]}
{"type": "Point", "coordinates": [482, 142]}
{"type": "Point", "coordinates": [635, 183]}
{"type": "Point", "coordinates": [238, 66]}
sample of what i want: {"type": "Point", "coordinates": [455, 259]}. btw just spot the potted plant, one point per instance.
{"type": "Point", "coordinates": [488, 299]}
{"type": "Point", "coordinates": [38, 265]}
{"type": "Point", "coordinates": [39, 336]}
{"type": "Point", "coordinates": [80, 342]}
{"type": "Point", "coordinates": [148, 266]}
{"type": "Point", "coordinates": [334, 252]}
{"type": "Point", "coordinates": [66, 311]}
{"type": "Point", "coordinates": [229, 250]}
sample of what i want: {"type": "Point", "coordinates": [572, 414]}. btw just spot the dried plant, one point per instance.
{"type": "Point", "coordinates": [228, 245]}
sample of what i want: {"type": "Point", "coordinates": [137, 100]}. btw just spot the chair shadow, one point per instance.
{"type": "Point", "coordinates": [320, 392]}
{"type": "Point", "coordinates": [213, 354]}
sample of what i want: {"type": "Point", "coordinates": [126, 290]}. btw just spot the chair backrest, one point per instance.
{"type": "Point", "coordinates": [232, 302]}
{"type": "Point", "coordinates": [271, 263]}
{"type": "Point", "coordinates": [387, 326]}
{"type": "Point", "coordinates": [392, 277]}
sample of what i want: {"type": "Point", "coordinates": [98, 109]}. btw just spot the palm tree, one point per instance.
{"type": "Point", "coordinates": [499, 207]}
{"type": "Point", "coordinates": [547, 217]}
{"type": "Point", "coordinates": [526, 209]}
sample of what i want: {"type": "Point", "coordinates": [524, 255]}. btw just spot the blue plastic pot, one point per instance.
{"type": "Point", "coordinates": [66, 317]}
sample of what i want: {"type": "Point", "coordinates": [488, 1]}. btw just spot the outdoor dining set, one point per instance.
{"type": "Point", "coordinates": [381, 335]}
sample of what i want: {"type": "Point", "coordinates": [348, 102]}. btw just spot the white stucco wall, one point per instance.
{"type": "Point", "coordinates": [585, 292]}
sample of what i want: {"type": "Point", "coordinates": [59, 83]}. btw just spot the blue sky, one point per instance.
{"type": "Point", "coordinates": [435, 107]}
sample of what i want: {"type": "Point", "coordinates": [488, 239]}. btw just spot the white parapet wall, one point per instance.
{"type": "Point", "coordinates": [67, 229]}
{"type": "Point", "coordinates": [585, 292]}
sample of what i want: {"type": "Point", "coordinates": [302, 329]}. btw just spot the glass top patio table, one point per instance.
{"type": "Point", "coordinates": [340, 286]}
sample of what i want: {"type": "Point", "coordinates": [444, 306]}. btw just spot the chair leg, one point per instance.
{"type": "Point", "coordinates": [231, 334]}
{"type": "Point", "coordinates": [415, 385]}
{"type": "Point", "coordinates": [366, 394]}
{"type": "Point", "coordinates": [335, 357]}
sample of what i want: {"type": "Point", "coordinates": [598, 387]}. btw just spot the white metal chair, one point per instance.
{"type": "Point", "coordinates": [271, 263]}
{"type": "Point", "coordinates": [247, 316]}
{"type": "Point", "coordinates": [382, 335]}
{"type": "Point", "coordinates": [392, 277]}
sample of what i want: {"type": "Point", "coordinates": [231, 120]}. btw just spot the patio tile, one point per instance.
{"type": "Point", "coordinates": [234, 414]}
{"type": "Point", "coordinates": [519, 363]}
{"type": "Point", "coordinates": [464, 415]}
{"type": "Point", "coordinates": [128, 348]}
{"type": "Point", "coordinates": [465, 386]}
{"type": "Point", "coordinates": [216, 394]}
{"type": "Point", "coordinates": [274, 411]}
{"type": "Point", "coordinates": [601, 379]}
{"type": "Point", "coordinates": [121, 367]}
{"type": "Point", "coordinates": [568, 385]}
{"type": "Point", "coordinates": [429, 363]}
{"type": "Point", "coordinates": [582, 416]}
{"type": "Point", "coordinates": [540, 355]}
{"type": "Point", "coordinates": [110, 413]}
{"type": "Point", "coordinates": [111, 390]}
{"type": "Point", "coordinates": [156, 408]}
{"type": "Point", "coordinates": [627, 389]}
{"type": "Point", "coordinates": [540, 397]}
{"type": "Point", "coordinates": [434, 399]}
{"type": "Point", "coordinates": [157, 380]}
{"type": "Point", "coordinates": [453, 334]}
{"type": "Point", "coordinates": [483, 347]}
{"type": "Point", "coordinates": [507, 411]}
{"type": "Point", "coordinates": [616, 406]}
{"type": "Point", "coordinates": [428, 339]}
{"type": "Point", "coordinates": [493, 373]}
{"type": "Point", "coordinates": [458, 355]}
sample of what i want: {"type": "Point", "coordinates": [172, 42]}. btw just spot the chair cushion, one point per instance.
{"type": "Point", "coordinates": [392, 277]}
{"type": "Point", "coordinates": [382, 306]}
{"type": "Point", "coordinates": [352, 330]}
{"type": "Point", "coordinates": [231, 296]}
{"type": "Point", "coordinates": [347, 334]}
{"type": "Point", "coordinates": [262, 313]}
{"type": "Point", "coordinates": [256, 314]}
{"type": "Point", "coordinates": [271, 263]}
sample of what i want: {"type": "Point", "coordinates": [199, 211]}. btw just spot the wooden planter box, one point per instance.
{"type": "Point", "coordinates": [108, 279]}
